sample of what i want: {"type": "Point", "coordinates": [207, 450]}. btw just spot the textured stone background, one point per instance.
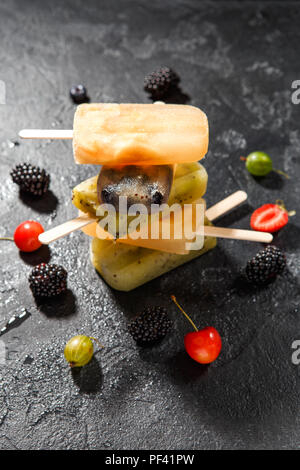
{"type": "Point", "coordinates": [237, 61]}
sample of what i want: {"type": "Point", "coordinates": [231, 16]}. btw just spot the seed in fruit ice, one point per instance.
{"type": "Point", "coordinates": [259, 163]}
{"type": "Point", "coordinates": [26, 235]}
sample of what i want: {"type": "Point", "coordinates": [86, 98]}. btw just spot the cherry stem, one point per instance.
{"type": "Point", "coordinates": [7, 238]}
{"type": "Point", "coordinates": [185, 314]}
{"type": "Point", "coordinates": [95, 339]}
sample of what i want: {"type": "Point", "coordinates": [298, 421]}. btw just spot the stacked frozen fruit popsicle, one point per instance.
{"type": "Point", "coordinates": [149, 153]}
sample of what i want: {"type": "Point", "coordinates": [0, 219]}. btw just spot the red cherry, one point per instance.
{"type": "Point", "coordinates": [26, 235]}
{"type": "Point", "coordinates": [203, 346]}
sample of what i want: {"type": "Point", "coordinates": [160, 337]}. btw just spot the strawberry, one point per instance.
{"type": "Point", "coordinates": [269, 218]}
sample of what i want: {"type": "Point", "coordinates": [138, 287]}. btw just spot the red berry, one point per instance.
{"type": "Point", "coordinates": [269, 218]}
{"type": "Point", "coordinates": [26, 235]}
{"type": "Point", "coordinates": [203, 346]}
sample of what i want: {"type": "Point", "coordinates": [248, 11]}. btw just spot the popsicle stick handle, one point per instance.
{"type": "Point", "coordinates": [65, 229]}
{"type": "Point", "coordinates": [46, 134]}
{"type": "Point", "coordinates": [226, 205]}
{"type": "Point", "coordinates": [52, 133]}
{"type": "Point", "coordinates": [238, 234]}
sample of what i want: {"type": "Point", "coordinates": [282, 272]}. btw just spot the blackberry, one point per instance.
{"type": "Point", "coordinates": [78, 94]}
{"type": "Point", "coordinates": [31, 179]}
{"type": "Point", "coordinates": [159, 82]}
{"type": "Point", "coordinates": [265, 265]}
{"type": "Point", "coordinates": [48, 280]}
{"type": "Point", "coordinates": [150, 326]}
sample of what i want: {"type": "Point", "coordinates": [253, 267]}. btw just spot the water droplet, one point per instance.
{"type": "Point", "coordinates": [28, 360]}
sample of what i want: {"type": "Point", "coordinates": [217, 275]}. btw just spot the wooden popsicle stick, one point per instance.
{"type": "Point", "coordinates": [65, 229]}
{"type": "Point", "coordinates": [226, 205]}
{"type": "Point", "coordinates": [53, 133]}
{"type": "Point", "coordinates": [231, 201]}
{"type": "Point", "coordinates": [75, 224]}
{"type": "Point", "coordinates": [46, 134]}
{"type": "Point", "coordinates": [238, 234]}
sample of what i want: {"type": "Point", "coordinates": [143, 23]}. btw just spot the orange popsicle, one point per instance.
{"type": "Point", "coordinates": [139, 134]}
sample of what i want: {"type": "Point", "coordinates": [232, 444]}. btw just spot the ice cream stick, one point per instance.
{"type": "Point", "coordinates": [65, 229]}
{"type": "Point", "coordinates": [52, 133]}
{"type": "Point", "coordinates": [46, 134]}
{"type": "Point", "coordinates": [226, 205]}
{"type": "Point", "coordinates": [219, 232]}
{"type": "Point", "coordinates": [238, 234]}
{"type": "Point", "coordinates": [215, 211]}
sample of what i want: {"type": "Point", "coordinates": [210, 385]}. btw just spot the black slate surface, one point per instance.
{"type": "Point", "coordinates": [237, 61]}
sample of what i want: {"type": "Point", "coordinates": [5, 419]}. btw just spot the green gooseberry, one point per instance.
{"type": "Point", "coordinates": [259, 163]}
{"type": "Point", "coordinates": [79, 350]}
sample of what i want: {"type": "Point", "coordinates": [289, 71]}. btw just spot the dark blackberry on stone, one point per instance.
{"type": "Point", "coordinates": [31, 179]}
{"type": "Point", "coordinates": [79, 94]}
{"type": "Point", "coordinates": [152, 325]}
{"type": "Point", "coordinates": [159, 82]}
{"type": "Point", "coordinates": [48, 280]}
{"type": "Point", "coordinates": [265, 265]}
